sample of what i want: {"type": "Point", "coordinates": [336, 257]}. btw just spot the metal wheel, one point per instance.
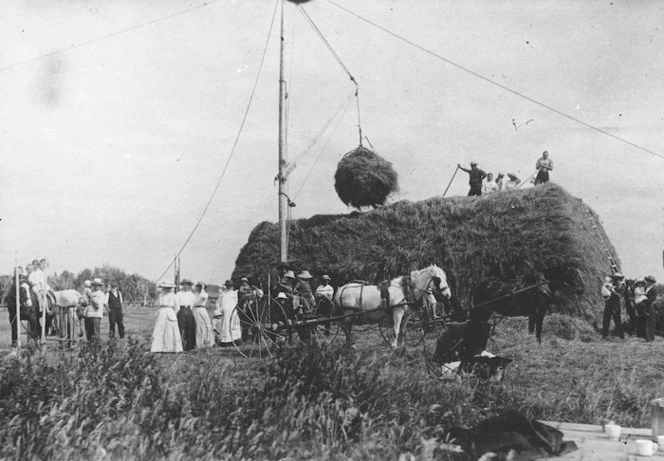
{"type": "Point", "coordinates": [415, 331]}
{"type": "Point", "coordinates": [257, 329]}
{"type": "Point", "coordinates": [324, 333]}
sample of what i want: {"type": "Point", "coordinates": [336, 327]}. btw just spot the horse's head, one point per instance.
{"type": "Point", "coordinates": [568, 276]}
{"type": "Point", "coordinates": [434, 277]}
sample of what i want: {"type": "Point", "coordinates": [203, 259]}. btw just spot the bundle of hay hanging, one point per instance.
{"type": "Point", "coordinates": [364, 179]}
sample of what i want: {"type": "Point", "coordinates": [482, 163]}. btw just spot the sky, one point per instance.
{"type": "Point", "coordinates": [118, 117]}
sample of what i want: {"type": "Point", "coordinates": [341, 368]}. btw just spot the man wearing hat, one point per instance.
{"type": "Point", "coordinates": [286, 284]}
{"type": "Point", "coordinates": [611, 305]}
{"type": "Point", "coordinates": [651, 295]}
{"type": "Point", "coordinates": [325, 290]}
{"type": "Point", "coordinates": [186, 322]}
{"type": "Point", "coordinates": [245, 292]}
{"type": "Point", "coordinates": [115, 315]}
{"type": "Point", "coordinates": [304, 291]}
{"type": "Point", "coordinates": [476, 177]}
{"type": "Point", "coordinates": [95, 311]}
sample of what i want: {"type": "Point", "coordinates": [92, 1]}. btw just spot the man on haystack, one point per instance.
{"type": "Point", "coordinates": [544, 165]}
{"type": "Point", "coordinates": [476, 177]}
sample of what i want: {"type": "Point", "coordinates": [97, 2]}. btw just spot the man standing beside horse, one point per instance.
{"type": "Point", "coordinates": [95, 311]}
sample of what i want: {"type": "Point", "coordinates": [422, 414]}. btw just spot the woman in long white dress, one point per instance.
{"type": "Point", "coordinates": [226, 318]}
{"type": "Point", "coordinates": [166, 333]}
{"type": "Point", "coordinates": [204, 333]}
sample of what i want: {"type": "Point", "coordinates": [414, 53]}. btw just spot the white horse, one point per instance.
{"type": "Point", "coordinates": [354, 297]}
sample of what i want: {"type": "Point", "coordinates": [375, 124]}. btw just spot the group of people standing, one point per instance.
{"type": "Point", "coordinates": [183, 322]}
{"type": "Point", "coordinates": [482, 183]}
{"type": "Point", "coordinates": [638, 296]}
{"type": "Point", "coordinates": [98, 301]}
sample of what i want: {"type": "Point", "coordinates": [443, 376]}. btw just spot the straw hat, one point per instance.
{"type": "Point", "coordinates": [186, 282]}
{"type": "Point", "coordinates": [166, 285]}
{"type": "Point", "coordinates": [650, 279]}
{"type": "Point", "coordinates": [282, 295]}
{"type": "Point", "coordinates": [304, 275]}
{"type": "Point", "coordinates": [244, 279]}
{"type": "Point", "coordinates": [513, 177]}
{"type": "Point", "coordinates": [473, 163]}
{"type": "Point", "coordinates": [97, 281]}
{"type": "Point", "coordinates": [289, 274]}
{"type": "Point", "coordinates": [325, 277]}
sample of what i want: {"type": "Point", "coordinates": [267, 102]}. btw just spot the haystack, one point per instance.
{"type": "Point", "coordinates": [364, 179]}
{"type": "Point", "coordinates": [472, 238]}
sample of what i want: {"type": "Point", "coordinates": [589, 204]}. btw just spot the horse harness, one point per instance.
{"type": "Point", "coordinates": [384, 288]}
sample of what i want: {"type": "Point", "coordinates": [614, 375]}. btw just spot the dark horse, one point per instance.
{"type": "Point", "coordinates": [528, 296]}
{"type": "Point", "coordinates": [29, 305]}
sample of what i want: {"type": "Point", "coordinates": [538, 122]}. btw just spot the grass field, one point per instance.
{"type": "Point", "coordinates": [372, 403]}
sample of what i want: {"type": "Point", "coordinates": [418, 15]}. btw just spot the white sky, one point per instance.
{"type": "Point", "coordinates": [109, 151]}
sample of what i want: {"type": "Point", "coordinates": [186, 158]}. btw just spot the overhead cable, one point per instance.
{"type": "Point", "coordinates": [237, 138]}
{"type": "Point", "coordinates": [493, 82]}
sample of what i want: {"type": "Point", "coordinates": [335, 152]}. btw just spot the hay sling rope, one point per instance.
{"type": "Point", "coordinates": [338, 59]}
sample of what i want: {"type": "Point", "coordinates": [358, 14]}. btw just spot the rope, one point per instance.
{"type": "Point", "coordinates": [320, 154]}
{"type": "Point", "coordinates": [493, 82]}
{"type": "Point", "coordinates": [237, 138]}
{"type": "Point", "coordinates": [104, 37]}
{"type": "Point", "coordinates": [338, 59]}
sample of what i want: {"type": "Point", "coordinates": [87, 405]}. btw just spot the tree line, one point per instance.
{"type": "Point", "coordinates": [135, 288]}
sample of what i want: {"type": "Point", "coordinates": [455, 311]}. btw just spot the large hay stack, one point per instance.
{"type": "Point", "coordinates": [470, 237]}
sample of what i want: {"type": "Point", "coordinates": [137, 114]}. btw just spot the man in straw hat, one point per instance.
{"type": "Point", "coordinates": [95, 310]}
{"type": "Point", "coordinates": [476, 177]}
{"type": "Point", "coordinates": [186, 321]}
{"type": "Point", "coordinates": [325, 290]}
{"type": "Point", "coordinates": [286, 284]}
{"type": "Point", "coordinates": [304, 291]}
{"type": "Point", "coordinates": [611, 305]}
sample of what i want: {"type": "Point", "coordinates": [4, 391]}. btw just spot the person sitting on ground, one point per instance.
{"type": "Point", "coordinates": [544, 165]}
{"type": "Point", "coordinates": [651, 295]}
{"type": "Point", "coordinates": [489, 186]}
{"type": "Point", "coordinates": [513, 182]}
{"type": "Point", "coordinates": [611, 306]}
{"type": "Point", "coordinates": [499, 181]}
{"type": "Point", "coordinates": [476, 177]}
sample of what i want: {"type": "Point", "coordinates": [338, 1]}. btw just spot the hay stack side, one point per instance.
{"type": "Point", "coordinates": [470, 237]}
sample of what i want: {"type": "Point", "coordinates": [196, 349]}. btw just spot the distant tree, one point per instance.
{"type": "Point", "coordinates": [134, 287]}
{"type": "Point", "coordinates": [65, 281]}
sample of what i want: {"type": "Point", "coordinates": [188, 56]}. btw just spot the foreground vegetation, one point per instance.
{"type": "Point", "coordinates": [118, 401]}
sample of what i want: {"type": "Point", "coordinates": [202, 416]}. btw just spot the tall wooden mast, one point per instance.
{"type": "Point", "coordinates": [283, 186]}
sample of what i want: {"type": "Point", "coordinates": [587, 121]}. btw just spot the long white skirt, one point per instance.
{"type": "Point", "coordinates": [228, 326]}
{"type": "Point", "coordinates": [204, 333]}
{"type": "Point", "coordinates": [166, 334]}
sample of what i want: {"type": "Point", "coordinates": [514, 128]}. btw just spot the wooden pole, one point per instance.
{"type": "Point", "coordinates": [453, 175]}
{"type": "Point", "coordinates": [18, 305]}
{"type": "Point", "coordinates": [283, 189]}
{"type": "Point", "coordinates": [42, 301]}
